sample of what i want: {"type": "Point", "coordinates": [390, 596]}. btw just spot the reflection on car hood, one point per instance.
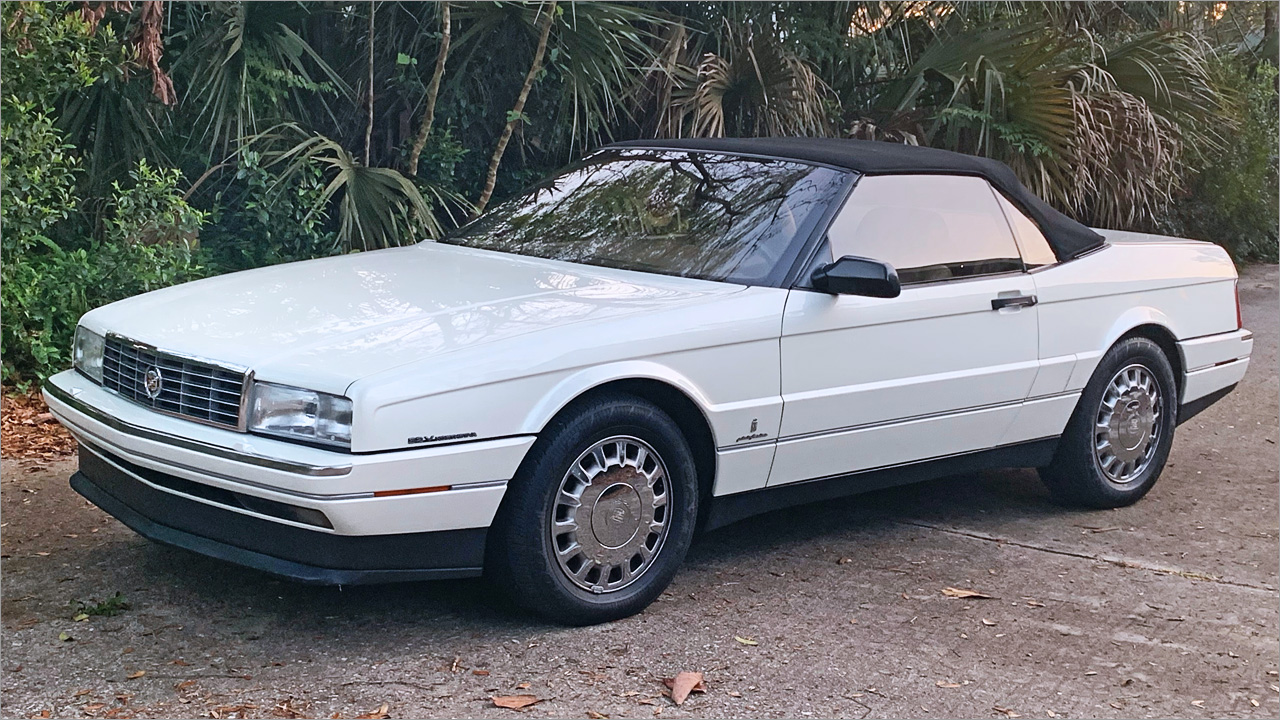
{"type": "Point", "coordinates": [325, 323]}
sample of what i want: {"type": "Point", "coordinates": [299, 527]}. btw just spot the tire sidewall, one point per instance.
{"type": "Point", "coordinates": [530, 556]}
{"type": "Point", "coordinates": [1132, 351]}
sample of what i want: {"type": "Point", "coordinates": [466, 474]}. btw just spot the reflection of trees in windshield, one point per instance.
{"type": "Point", "coordinates": [699, 215]}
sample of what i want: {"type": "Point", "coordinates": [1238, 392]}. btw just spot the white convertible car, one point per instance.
{"type": "Point", "coordinates": [668, 335]}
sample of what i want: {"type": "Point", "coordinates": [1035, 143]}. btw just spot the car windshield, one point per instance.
{"type": "Point", "coordinates": [697, 215]}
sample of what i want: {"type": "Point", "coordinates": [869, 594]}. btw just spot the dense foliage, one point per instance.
{"type": "Point", "coordinates": [150, 143]}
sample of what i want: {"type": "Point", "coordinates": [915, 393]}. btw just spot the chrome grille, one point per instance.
{"type": "Point", "coordinates": [188, 388]}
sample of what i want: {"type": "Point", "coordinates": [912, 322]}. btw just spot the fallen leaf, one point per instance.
{"type": "Point", "coordinates": [481, 673]}
{"type": "Point", "coordinates": [184, 684]}
{"type": "Point", "coordinates": [515, 702]}
{"type": "Point", "coordinates": [85, 691]}
{"type": "Point", "coordinates": [379, 714]}
{"type": "Point", "coordinates": [945, 684]}
{"type": "Point", "coordinates": [1035, 603]}
{"type": "Point", "coordinates": [963, 593]}
{"type": "Point", "coordinates": [647, 701]}
{"type": "Point", "coordinates": [65, 637]}
{"type": "Point", "coordinates": [1198, 703]}
{"type": "Point", "coordinates": [596, 716]}
{"type": "Point", "coordinates": [1007, 712]}
{"type": "Point", "coordinates": [80, 617]}
{"type": "Point", "coordinates": [987, 622]}
{"type": "Point", "coordinates": [683, 684]}
{"type": "Point", "coordinates": [136, 675]}
{"type": "Point", "coordinates": [95, 707]}
{"type": "Point", "coordinates": [745, 640]}
{"type": "Point", "coordinates": [180, 662]}
{"type": "Point", "coordinates": [523, 686]}
{"type": "Point", "coordinates": [286, 710]}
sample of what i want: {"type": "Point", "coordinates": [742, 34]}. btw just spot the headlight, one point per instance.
{"type": "Point", "coordinates": [86, 354]}
{"type": "Point", "coordinates": [299, 414]}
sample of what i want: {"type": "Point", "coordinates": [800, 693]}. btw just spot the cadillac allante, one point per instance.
{"type": "Point", "coordinates": [666, 336]}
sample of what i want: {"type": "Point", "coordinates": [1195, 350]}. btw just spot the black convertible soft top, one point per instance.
{"type": "Point", "coordinates": [1067, 237]}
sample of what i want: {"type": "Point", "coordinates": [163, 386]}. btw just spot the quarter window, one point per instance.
{"type": "Point", "coordinates": [929, 227]}
{"type": "Point", "coordinates": [1035, 249]}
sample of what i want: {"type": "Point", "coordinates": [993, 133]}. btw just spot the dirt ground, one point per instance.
{"type": "Point", "coordinates": [1167, 608]}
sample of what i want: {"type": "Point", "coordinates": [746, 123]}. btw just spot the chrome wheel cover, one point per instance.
{"type": "Point", "coordinates": [610, 517]}
{"type": "Point", "coordinates": [1128, 424]}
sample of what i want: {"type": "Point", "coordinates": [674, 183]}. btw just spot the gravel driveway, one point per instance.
{"type": "Point", "coordinates": [1167, 608]}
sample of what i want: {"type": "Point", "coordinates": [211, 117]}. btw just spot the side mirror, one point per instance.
{"type": "Point", "coordinates": [852, 275]}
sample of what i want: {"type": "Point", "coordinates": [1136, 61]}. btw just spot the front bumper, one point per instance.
{"type": "Point", "coordinates": [304, 512]}
{"type": "Point", "coordinates": [282, 549]}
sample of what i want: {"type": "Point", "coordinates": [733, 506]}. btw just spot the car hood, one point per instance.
{"type": "Point", "coordinates": [325, 323]}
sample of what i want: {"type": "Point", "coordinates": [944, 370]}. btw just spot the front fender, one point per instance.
{"type": "Point", "coordinates": [587, 379]}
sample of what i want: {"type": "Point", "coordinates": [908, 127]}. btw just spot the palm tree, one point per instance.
{"type": "Point", "coordinates": [548, 16]}
{"type": "Point", "coordinates": [377, 207]}
{"type": "Point", "coordinates": [1098, 131]}
{"type": "Point", "coordinates": [246, 67]}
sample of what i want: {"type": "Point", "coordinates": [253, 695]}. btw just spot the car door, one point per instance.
{"type": "Point", "coordinates": [940, 370]}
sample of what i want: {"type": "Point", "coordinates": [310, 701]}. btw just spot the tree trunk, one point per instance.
{"type": "Point", "coordinates": [1269, 17]}
{"type": "Point", "coordinates": [433, 92]}
{"type": "Point", "coordinates": [368, 128]}
{"type": "Point", "coordinates": [518, 109]}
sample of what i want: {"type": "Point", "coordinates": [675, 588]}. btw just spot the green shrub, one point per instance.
{"type": "Point", "coordinates": [45, 288]}
{"type": "Point", "coordinates": [267, 220]}
{"type": "Point", "coordinates": [38, 175]}
{"type": "Point", "coordinates": [1234, 197]}
{"type": "Point", "coordinates": [47, 49]}
{"type": "Point", "coordinates": [152, 211]}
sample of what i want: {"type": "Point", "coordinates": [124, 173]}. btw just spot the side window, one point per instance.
{"type": "Point", "coordinates": [1035, 249]}
{"type": "Point", "coordinates": [929, 227]}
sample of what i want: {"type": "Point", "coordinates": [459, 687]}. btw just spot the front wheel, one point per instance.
{"type": "Point", "coordinates": [1119, 437]}
{"type": "Point", "coordinates": [600, 515]}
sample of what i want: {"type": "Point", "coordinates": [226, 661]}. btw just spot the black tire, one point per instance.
{"type": "Point", "coordinates": [521, 557]}
{"type": "Point", "coordinates": [1076, 475]}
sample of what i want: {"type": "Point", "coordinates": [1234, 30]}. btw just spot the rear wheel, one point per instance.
{"type": "Point", "coordinates": [600, 515]}
{"type": "Point", "coordinates": [1119, 437]}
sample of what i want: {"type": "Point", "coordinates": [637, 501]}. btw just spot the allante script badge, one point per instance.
{"type": "Point", "coordinates": [419, 439]}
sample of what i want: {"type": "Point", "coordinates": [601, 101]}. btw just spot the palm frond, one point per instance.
{"type": "Point", "coordinates": [755, 86]}
{"type": "Point", "coordinates": [377, 207]}
{"type": "Point", "coordinates": [1097, 133]}
{"type": "Point", "coordinates": [247, 68]}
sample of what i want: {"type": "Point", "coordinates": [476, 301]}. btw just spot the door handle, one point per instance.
{"type": "Point", "coordinates": [1013, 301]}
